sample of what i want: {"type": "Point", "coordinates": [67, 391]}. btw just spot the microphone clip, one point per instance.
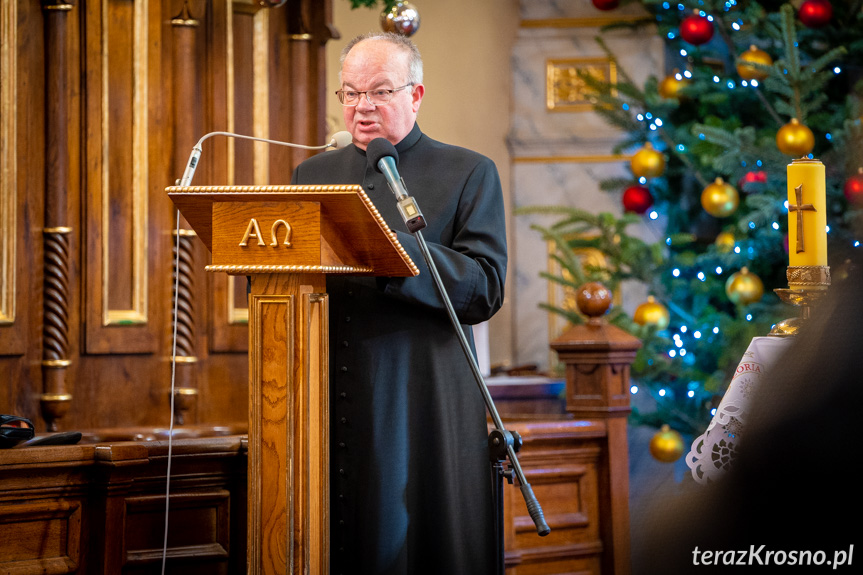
{"type": "Point", "coordinates": [411, 214]}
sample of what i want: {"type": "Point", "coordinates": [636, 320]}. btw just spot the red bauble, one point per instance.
{"type": "Point", "coordinates": [854, 188]}
{"type": "Point", "coordinates": [815, 13]}
{"type": "Point", "coordinates": [696, 29]}
{"type": "Point", "coordinates": [605, 4]}
{"type": "Point", "coordinates": [637, 199]}
{"type": "Point", "coordinates": [754, 177]}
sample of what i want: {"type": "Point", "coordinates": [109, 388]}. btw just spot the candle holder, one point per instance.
{"type": "Point", "coordinates": [806, 285]}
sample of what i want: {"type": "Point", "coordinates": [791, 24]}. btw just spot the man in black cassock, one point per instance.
{"type": "Point", "coordinates": [411, 487]}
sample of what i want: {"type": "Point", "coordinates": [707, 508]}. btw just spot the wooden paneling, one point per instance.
{"type": "Point", "coordinates": [99, 509]}
{"type": "Point", "coordinates": [119, 313]}
{"type": "Point", "coordinates": [100, 105]}
{"type": "Point", "coordinates": [46, 538]}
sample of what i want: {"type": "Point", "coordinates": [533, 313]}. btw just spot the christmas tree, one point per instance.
{"type": "Point", "coordinates": [750, 87]}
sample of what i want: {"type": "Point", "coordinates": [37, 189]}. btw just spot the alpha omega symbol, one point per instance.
{"type": "Point", "coordinates": [253, 230]}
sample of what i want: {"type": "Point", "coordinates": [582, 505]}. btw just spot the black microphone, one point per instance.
{"type": "Point", "coordinates": [339, 140]}
{"type": "Point", "coordinates": [383, 157]}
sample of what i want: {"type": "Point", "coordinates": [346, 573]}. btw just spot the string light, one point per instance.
{"type": "Point", "coordinates": [633, 390]}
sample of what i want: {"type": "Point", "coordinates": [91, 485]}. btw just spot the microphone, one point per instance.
{"type": "Point", "coordinates": [339, 140]}
{"type": "Point", "coordinates": [384, 158]}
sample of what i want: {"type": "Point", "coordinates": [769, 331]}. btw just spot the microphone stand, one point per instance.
{"type": "Point", "coordinates": [502, 444]}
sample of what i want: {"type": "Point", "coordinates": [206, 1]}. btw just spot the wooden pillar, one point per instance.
{"type": "Point", "coordinates": [288, 425]}
{"type": "Point", "coordinates": [56, 398]}
{"type": "Point", "coordinates": [184, 27]}
{"type": "Point", "coordinates": [598, 357]}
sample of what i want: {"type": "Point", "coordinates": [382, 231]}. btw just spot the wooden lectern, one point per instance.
{"type": "Point", "coordinates": [286, 238]}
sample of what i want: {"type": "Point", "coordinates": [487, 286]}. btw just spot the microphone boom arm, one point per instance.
{"type": "Point", "coordinates": [339, 140]}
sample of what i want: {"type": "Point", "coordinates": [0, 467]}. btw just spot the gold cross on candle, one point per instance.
{"type": "Point", "coordinates": [800, 208]}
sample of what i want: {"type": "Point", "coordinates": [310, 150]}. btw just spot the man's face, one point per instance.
{"type": "Point", "coordinates": [378, 64]}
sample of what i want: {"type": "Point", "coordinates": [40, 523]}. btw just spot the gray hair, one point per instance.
{"type": "Point", "coordinates": [415, 60]}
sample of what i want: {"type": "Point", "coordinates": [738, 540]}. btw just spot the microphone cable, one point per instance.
{"type": "Point", "coordinates": [173, 383]}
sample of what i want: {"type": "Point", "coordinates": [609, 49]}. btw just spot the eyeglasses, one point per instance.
{"type": "Point", "coordinates": [377, 97]}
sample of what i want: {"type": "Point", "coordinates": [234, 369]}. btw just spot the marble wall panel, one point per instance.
{"type": "Point", "coordinates": [560, 155]}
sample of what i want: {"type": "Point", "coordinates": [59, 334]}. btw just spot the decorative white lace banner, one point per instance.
{"type": "Point", "coordinates": [712, 453]}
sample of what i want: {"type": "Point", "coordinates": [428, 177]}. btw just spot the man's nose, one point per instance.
{"type": "Point", "coordinates": [365, 103]}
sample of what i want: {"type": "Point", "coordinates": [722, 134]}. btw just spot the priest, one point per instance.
{"type": "Point", "coordinates": [410, 480]}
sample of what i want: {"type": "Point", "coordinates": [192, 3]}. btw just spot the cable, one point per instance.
{"type": "Point", "coordinates": [173, 380]}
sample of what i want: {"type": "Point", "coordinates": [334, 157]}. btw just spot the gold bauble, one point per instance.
{"type": "Point", "coordinates": [724, 242]}
{"type": "Point", "coordinates": [756, 56]}
{"type": "Point", "coordinates": [744, 287]}
{"type": "Point", "coordinates": [720, 199]}
{"type": "Point", "coordinates": [795, 139]}
{"type": "Point", "coordinates": [647, 162]}
{"type": "Point", "coordinates": [651, 312]}
{"type": "Point", "coordinates": [403, 18]}
{"type": "Point", "coordinates": [670, 86]}
{"type": "Point", "coordinates": [666, 445]}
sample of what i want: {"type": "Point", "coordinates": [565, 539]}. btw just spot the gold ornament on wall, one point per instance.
{"type": "Point", "coordinates": [566, 91]}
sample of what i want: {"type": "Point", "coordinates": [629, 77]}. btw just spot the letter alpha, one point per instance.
{"type": "Point", "coordinates": [252, 230]}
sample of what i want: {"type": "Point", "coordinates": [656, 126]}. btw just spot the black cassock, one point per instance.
{"type": "Point", "coordinates": [410, 483]}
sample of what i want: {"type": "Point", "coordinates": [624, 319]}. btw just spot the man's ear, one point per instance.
{"type": "Point", "coordinates": [417, 97]}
